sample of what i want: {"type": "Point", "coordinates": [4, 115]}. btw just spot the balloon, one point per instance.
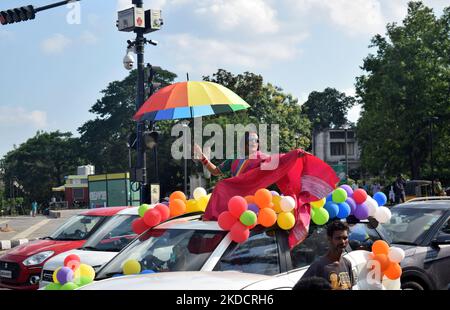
{"type": "Point", "coordinates": [286, 220]}
{"type": "Point", "coordinates": [380, 247]}
{"type": "Point", "coordinates": [163, 210]}
{"type": "Point", "coordinates": [344, 210]}
{"type": "Point", "coordinates": [81, 281]}
{"type": "Point", "coordinates": [394, 271]}
{"type": "Point", "coordinates": [352, 204]}
{"type": "Point", "coordinates": [319, 203]}
{"type": "Point", "coordinates": [142, 209]}
{"type": "Point", "coordinates": [64, 275]}
{"type": "Point", "coordinates": [152, 217]}
{"type": "Point", "coordinates": [87, 271]}
{"type": "Point", "coordinates": [383, 260]}
{"type": "Point", "coordinates": [53, 287]}
{"type": "Point", "coordinates": [253, 207]}
{"type": "Point", "coordinates": [177, 207]}
{"type": "Point", "coordinates": [383, 215]}
{"type": "Point", "coordinates": [359, 196]}
{"type": "Point", "coordinates": [131, 266]}
{"type": "Point", "coordinates": [73, 264]}
{"type": "Point", "coordinates": [250, 199]}
{"type": "Point", "coordinates": [372, 206]}
{"type": "Point", "coordinates": [391, 284]}
{"type": "Point", "coordinates": [177, 195]}
{"type": "Point", "coordinates": [147, 271]}
{"type": "Point", "coordinates": [248, 218]}
{"type": "Point", "coordinates": [263, 198]}
{"type": "Point", "coordinates": [239, 233]}
{"type": "Point", "coordinates": [69, 286]}
{"type": "Point", "coordinates": [237, 205]}
{"type": "Point", "coordinates": [380, 198]}
{"type": "Point", "coordinates": [276, 201]}
{"type": "Point", "coordinates": [361, 212]}
{"type": "Point", "coordinates": [348, 189]}
{"type": "Point", "coordinates": [199, 192]}
{"type": "Point", "coordinates": [320, 216]}
{"type": "Point", "coordinates": [202, 203]}
{"type": "Point", "coordinates": [287, 204]}
{"type": "Point", "coordinates": [396, 255]}
{"type": "Point", "coordinates": [312, 213]}
{"type": "Point", "coordinates": [226, 220]}
{"type": "Point", "coordinates": [139, 226]}
{"type": "Point", "coordinates": [71, 257]}
{"type": "Point", "coordinates": [359, 234]}
{"type": "Point", "coordinates": [274, 193]}
{"type": "Point", "coordinates": [339, 195]}
{"type": "Point", "coordinates": [55, 279]}
{"type": "Point", "coordinates": [329, 198]}
{"type": "Point", "coordinates": [267, 217]}
{"type": "Point", "coordinates": [332, 209]}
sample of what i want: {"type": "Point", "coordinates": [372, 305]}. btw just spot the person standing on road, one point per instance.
{"type": "Point", "coordinates": [34, 206]}
{"type": "Point", "coordinates": [333, 267]}
{"type": "Point", "coordinates": [399, 189]}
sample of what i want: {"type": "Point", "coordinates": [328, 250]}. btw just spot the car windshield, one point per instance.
{"type": "Point", "coordinates": [410, 225]}
{"type": "Point", "coordinates": [113, 236]}
{"type": "Point", "coordinates": [162, 250]}
{"type": "Point", "coordinates": [77, 227]}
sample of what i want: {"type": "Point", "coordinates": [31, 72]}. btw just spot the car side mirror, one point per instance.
{"type": "Point", "coordinates": [441, 240]}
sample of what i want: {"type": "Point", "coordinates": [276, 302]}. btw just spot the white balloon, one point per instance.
{"type": "Point", "coordinates": [372, 206]}
{"type": "Point", "coordinates": [287, 204]}
{"type": "Point", "coordinates": [383, 215]}
{"type": "Point", "coordinates": [199, 192]}
{"type": "Point", "coordinates": [389, 284]}
{"type": "Point", "coordinates": [396, 254]}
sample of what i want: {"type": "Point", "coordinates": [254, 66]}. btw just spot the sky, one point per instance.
{"type": "Point", "coordinates": [54, 67]}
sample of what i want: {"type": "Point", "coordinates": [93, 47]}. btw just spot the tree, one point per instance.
{"type": "Point", "coordinates": [327, 109]}
{"type": "Point", "coordinates": [40, 164]}
{"type": "Point", "coordinates": [407, 84]}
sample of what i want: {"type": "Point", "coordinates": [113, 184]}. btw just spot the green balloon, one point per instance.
{"type": "Point", "coordinates": [83, 280]}
{"type": "Point", "coordinates": [142, 209]}
{"type": "Point", "coordinates": [312, 212]}
{"type": "Point", "coordinates": [339, 195]}
{"type": "Point", "coordinates": [248, 218]}
{"type": "Point", "coordinates": [53, 287]}
{"type": "Point", "coordinates": [320, 216]}
{"type": "Point", "coordinates": [69, 286]}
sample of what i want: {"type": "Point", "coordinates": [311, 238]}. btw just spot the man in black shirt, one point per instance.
{"type": "Point", "coordinates": [333, 267]}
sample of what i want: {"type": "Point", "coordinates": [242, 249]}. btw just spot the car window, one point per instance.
{"type": "Point", "coordinates": [315, 245]}
{"type": "Point", "coordinates": [76, 228]}
{"type": "Point", "coordinates": [445, 229]}
{"type": "Point", "coordinates": [362, 236]}
{"type": "Point", "coordinates": [259, 254]}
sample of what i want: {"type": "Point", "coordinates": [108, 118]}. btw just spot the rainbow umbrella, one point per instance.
{"type": "Point", "coordinates": [189, 100]}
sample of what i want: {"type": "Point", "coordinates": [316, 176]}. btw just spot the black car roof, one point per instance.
{"type": "Point", "coordinates": [428, 204]}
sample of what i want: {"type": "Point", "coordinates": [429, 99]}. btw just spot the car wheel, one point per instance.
{"type": "Point", "coordinates": [411, 285]}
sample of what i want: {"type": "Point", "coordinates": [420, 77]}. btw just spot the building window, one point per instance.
{"type": "Point", "coordinates": [78, 194]}
{"type": "Point", "coordinates": [337, 135]}
{"type": "Point", "coordinates": [338, 148]}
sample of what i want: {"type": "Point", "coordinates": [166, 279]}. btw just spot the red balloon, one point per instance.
{"type": "Point", "coordinates": [239, 233]}
{"type": "Point", "coordinates": [237, 205]}
{"type": "Point", "coordinates": [359, 196]}
{"type": "Point", "coordinates": [139, 226]}
{"type": "Point", "coordinates": [73, 264]}
{"type": "Point", "coordinates": [70, 258]}
{"type": "Point", "coordinates": [163, 210]}
{"type": "Point", "coordinates": [152, 217]}
{"type": "Point", "coordinates": [226, 220]}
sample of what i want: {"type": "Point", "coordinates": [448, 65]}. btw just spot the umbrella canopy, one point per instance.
{"type": "Point", "coordinates": [189, 100]}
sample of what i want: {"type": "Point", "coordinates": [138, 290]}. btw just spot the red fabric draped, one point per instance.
{"type": "Point", "coordinates": [306, 178]}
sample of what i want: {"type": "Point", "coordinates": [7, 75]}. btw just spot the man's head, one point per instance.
{"type": "Point", "coordinates": [251, 142]}
{"type": "Point", "coordinates": [312, 283]}
{"type": "Point", "coordinates": [337, 232]}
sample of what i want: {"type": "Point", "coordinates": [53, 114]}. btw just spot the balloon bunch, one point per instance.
{"type": "Point", "coordinates": [72, 276]}
{"type": "Point", "coordinates": [264, 208]}
{"type": "Point", "coordinates": [132, 267]}
{"type": "Point", "coordinates": [343, 202]}
{"type": "Point", "coordinates": [178, 204]}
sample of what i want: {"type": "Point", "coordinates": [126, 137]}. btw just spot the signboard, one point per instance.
{"type": "Point", "coordinates": [340, 171]}
{"type": "Point", "coordinates": [130, 19]}
{"type": "Point", "coordinates": [154, 193]}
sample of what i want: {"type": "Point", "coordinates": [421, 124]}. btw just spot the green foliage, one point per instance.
{"type": "Point", "coordinates": [407, 83]}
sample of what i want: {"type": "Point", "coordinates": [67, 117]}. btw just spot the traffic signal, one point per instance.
{"type": "Point", "coordinates": [150, 72]}
{"type": "Point", "coordinates": [17, 15]}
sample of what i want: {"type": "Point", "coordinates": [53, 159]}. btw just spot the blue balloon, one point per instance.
{"type": "Point", "coordinates": [380, 198]}
{"type": "Point", "coordinates": [359, 234]}
{"type": "Point", "coordinates": [329, 198]}
{"type": "Point", "coordinates": [253, 207]}
{"type": "Point", "coordinates": [344, 210]}
{"type": "Point", "coordinates": [147, 271]}
{"type": "Point", "coordinates": [332, 208]}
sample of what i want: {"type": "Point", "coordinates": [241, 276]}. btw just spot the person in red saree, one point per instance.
{"type": "Point", "coordinates": [297, 173]}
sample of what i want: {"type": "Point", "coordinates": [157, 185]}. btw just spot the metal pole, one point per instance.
{"type": "Point", "coordinates": [346, 154]}
{"type": "Point", "coordinates": [431, 157]}
{"type": "Point", "coordinates": [54, 5]}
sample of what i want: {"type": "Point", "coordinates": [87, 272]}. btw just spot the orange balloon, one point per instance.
{"type": "Point", "coordinates": [263, 198]}
{"type": "Point", "coordinates": [267, 217]}
{"type": "Point", "coordinates": [380, 247]}
{"type": "Point", "coordinates": [383, 260]}
{"type": "Point", "coordinates": [177, 195]}
{"type": "Point", "coordinates": [250, 199]}
{"type": "Point", "coordinates": [394, 271]}
{"type": "Point", "coordinates": [177, 207]}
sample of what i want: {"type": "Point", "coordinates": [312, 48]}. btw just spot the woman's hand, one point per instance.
{"type": "Point", "coordinates": [198, 154]}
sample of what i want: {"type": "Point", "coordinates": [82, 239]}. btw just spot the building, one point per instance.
{"type": "Point", "coordinates": [75, 189]}
{"type": "Point", "coordinates": [329, 145]}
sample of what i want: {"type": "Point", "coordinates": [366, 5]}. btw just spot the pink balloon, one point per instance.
{"type": "Point", "coordinates": [139, 226]}
{"type": "Point", "coordinates": [163, 210]}
{"type": "Point", "coordinates": [237, 205]}
{"type": "Point", "coordinates": [152, 217]}
{"type": "Point", "coordinates": [239, 233]}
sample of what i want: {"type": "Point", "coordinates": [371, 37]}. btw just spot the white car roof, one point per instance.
{"type": "Point", "coordinates": [129, 211]}
{"type": "Point", "coordinates": [185, 223]}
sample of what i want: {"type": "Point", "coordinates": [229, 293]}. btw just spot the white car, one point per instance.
{"type": "Point", "coordinates": [193, 255]}
{"type": "Point", "coordinates": [101, 247]}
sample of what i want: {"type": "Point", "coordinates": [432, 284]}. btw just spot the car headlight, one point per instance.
{"type": "Point", "coordinates": [38, 258]}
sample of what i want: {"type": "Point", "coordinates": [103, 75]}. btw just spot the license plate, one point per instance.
{"type": "Point", "coordinates": [5, 274]}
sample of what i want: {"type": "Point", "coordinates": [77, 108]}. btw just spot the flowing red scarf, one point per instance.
{"type": "Point", "coordinates": [306, 178]}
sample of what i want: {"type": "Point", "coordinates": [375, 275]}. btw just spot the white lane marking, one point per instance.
{"type": "Point", "coordinates": [30, 230]}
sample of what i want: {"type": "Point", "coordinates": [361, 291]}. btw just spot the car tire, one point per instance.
{"type": "Point", "coordinates": [411, 285]}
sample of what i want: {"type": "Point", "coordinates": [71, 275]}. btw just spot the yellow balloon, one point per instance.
{"type": "Point", "coordinates": [202, 203]}
{"type": "Point", "coordinates": [77, 273]}
{"type": "Point", "coordinates": [131, 266]}
{"type": "Point", "coordinates": [286, 220]}
{"type": "Point", "coordinates": [319, 203]}
{"type": "Point", "coordinates": [191, 206]}
{"type": "Point", "coordinates": [55, 279]}
{"type": "Point", "coordinates": [276, 200]}
{"type": "Point", "coordinates": [87, 271]}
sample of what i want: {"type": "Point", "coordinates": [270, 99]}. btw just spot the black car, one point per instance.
{"type": "Point", "coordinates": [422, 228]}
